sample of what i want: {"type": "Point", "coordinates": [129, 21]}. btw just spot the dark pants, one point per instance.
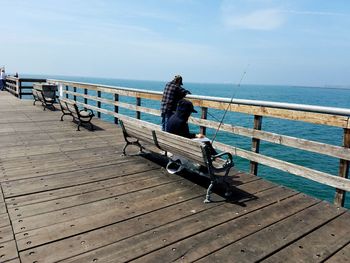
{"type": "Point", "coordinates": [2, 84]}
{"type": "Point", "coordinates": [165, 118]}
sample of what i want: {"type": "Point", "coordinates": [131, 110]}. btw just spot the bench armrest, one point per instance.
{"type": "Point", "coordinates": [228, 161]}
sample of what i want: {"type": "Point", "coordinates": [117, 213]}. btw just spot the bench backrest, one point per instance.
{"type": "Point", "coordinates": [172, 143]}
{"type": "Point", "coordinates": [38, 94]}
{"type": "Point", "coordinates": [179, 145]}
{"type": "Point", "coordinates": [68, 106]}
{"type": "Point", "coordinates": [138, 129]}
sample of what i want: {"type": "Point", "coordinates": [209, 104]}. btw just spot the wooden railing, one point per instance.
{"type": "Point", "coordinates": [336, 117]}
{"type": "Point", "coordinates": [18, 87]}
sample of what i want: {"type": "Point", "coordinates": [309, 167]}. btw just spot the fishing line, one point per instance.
{"type": "Point", "coordinates": [228, 106]}
{"type": "Point", "coordinates": [213, 116]}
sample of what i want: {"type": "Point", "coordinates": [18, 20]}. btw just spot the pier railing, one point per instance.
{"type": "Point", "coordinates": [21, 86]}
{"type": "Point", "coordinates": [90, 96]}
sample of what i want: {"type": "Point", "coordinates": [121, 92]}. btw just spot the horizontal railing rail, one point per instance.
{"type": "Point", "coordinates": [330, 116]}
{"type": "Point", "coordinates": [21, 86]}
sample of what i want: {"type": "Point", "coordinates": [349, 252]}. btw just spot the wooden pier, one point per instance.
{"type": "Point", "coordinates": [70, 196]}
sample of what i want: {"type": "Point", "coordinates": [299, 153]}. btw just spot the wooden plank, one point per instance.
{"type": "Point", "coordinates": [36, 171]}
{"type": "Point", "coordinates": [50, 182]}
{"type": "Point", "coordinates": [75, 222]}
{"type": "Point", "coordinates": [136, 246]}
{"type": "Point", "coordinates": [6, 234]}
{"type": "Point", "coordinates": [3, 208]}
{"type": "Point", "coordinates": [34, 198]}
{"type": "Point", "coordinates": [318, 245]}
{"type": "Point", "coordinates": [341, 256]}
{"type": "Point", "coordinates": [18, 151]}
{"type": "Point", "coordinates": [38, 168]}
{"type": "Point", "coordinates": [75, 156]}
{"type": "Point", "coordinates": [96, 221]}
{"type": "Point", "coordinates": [116, 232]}
{"type": "Point", "coordinates": [116, 103]}
{"type": "Point", "coordinates": [275, 237]}
{"type": "Point", "coordinates": [91, 196]}
{"type": "Point", "coordinates": [116, 204]}
{"type": "Point", "coordinates": [203, 243]}
{"type": "Point", "coordinates": [8, 251]}
{"type": "Point", "coordinates": [312, 117]}
{"type": "Point", "coordinates": [303, 144]}
{"type": "Point", "coordinates": [115, 90]}
{"type": "Point", "coordinates": [4, 220]}
{"type": "Point", "coordinates": [320, 177]}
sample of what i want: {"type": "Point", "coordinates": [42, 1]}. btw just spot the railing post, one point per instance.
{"type": "Point", "coordinates": [99, 104]}
{"type": "Point", "coordinates": [85, 93]}
{"type": "Point", "coordinates": [116, 108]}
{"type": "Point", "coordinates": [67, 88]}
{"type": "Point", "coordinates": [74, 96]}
{"type": "Point", "coordinates": [255, 144]}
{"type": "Point", "coordinates": [203, 129]}
{"type": "Point", "coordinates": [339, 199]}
{"type": "Point", "coordinates": [19, 88]}
{"type": "Point", "coordinates": [138, 103]}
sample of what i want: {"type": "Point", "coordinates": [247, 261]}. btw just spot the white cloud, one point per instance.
{"type": "Point", "coordinates": [264, 19]}
{"type": "Point", "coordinates": [314, 13]}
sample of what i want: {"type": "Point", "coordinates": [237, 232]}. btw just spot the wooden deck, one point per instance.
{"type": "Point", "coordinates": [70, 196]}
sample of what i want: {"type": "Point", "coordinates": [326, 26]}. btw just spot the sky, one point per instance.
{"type": "Point", "coordinates": [280, 42]}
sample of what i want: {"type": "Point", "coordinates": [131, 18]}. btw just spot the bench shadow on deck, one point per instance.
{"type": "Point", "coordinates": [70, 196]}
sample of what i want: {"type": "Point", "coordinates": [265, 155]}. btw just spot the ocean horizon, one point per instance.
{"type": "Point", "coordinates": [319, 96]}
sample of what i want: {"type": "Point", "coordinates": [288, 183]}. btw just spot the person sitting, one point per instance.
{"type": "Point", "coordinates": [177, 123]}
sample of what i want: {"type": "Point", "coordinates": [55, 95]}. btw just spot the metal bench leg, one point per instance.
{"type": "Point", "coordinates": [79, 124]}
{"type": "Point", "coordinates": [132, 143]}
{"type": "Point", "coordinates": [207, 197]}
{"type": "Point", "coordinates": [228, 192]}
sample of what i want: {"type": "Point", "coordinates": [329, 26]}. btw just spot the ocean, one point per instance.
{"type": "Point", "coordinates": [321, 96]}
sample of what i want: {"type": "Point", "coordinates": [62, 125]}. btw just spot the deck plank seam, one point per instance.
{"type": "Point", "coordinates": [74, 170]}
{"type": "Point", "coordinates": [90, 202]}
{"type": "Point", "coordinates": [84, 192]}
{"type": "Point", "coordinates": [252, 233]}
{"type": "Point", "coordinates": [244, 213]}
{"type": "Point", "coordinates": [202, 211]}
{"type": "Point", "coordinates": [304, 235]}
{"type": "Point", "coordinates": [335, 252]}
{"type": "Point", "coordinates": [116, 222]}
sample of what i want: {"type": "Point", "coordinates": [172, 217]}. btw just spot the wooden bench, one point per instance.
{"type": "Point", "coordinates": [46, 102]}
{"type": "Point", "coordinates": [70, 108]}
{"type": "Point", "coordinates": [214, 166]}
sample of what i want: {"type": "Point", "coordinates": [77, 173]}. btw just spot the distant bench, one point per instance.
{"type": "Point", "coordinates": [46, 102]}
{"type": "Point", "coordinates": [215, 168]}
{"type": "Point", "coordinates": [70, 108]}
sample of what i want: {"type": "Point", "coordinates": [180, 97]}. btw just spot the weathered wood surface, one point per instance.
{"type": "Point", "coordinates": [70, 196]}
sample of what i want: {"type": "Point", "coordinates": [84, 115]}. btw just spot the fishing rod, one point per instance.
{"type": "Point", "coordinates": [228, 106]}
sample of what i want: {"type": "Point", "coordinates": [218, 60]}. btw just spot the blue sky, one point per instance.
{"type": "Point", "coordinates": [299, 42]}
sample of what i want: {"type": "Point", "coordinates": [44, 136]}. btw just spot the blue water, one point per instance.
{"type": "Point", "coordinates": [291, 94]}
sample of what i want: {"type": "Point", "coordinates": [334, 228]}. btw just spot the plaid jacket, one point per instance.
{"type": "Point", "coordinates": [171, 96]}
